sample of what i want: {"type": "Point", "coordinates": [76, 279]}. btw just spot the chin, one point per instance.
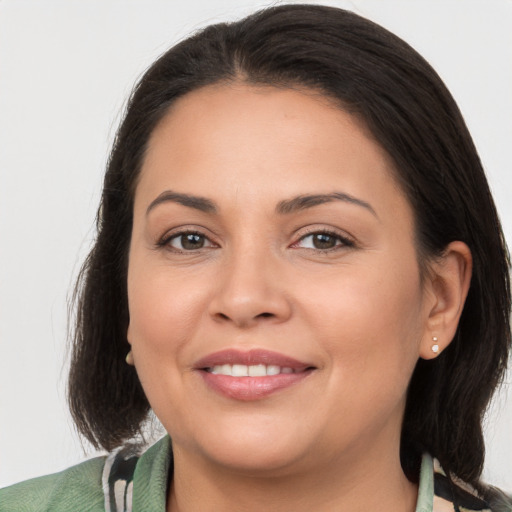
{"type": "Point", "coordinates": [253, 448]}
{"type": "Point", "coordinates": [264, 461]}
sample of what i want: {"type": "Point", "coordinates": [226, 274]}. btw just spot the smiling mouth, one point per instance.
{"type": "Point", "coordinates": [251, 363]}
{"type": "Point", "coordinates": [253, 370]}
{"type": "Point", "coordinates": [251, 375]}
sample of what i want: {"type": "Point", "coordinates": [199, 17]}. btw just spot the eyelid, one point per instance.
{"type": "Point", "coordinates": [347, 241]}
{"type": "Point", "coordinates": [165, 239]}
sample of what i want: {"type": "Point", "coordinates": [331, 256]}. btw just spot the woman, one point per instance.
{"type": "Point", "coordinates": [299, 269]}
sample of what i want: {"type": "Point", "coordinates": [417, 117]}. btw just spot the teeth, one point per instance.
{"type": "Point", "coordinates": [239, 370]}
{"type": "Point", "coordinates": [273, 369]}
{"type": "Point", "coordinates": [254, 370]}
{"type": "Point", "coordinates": [258, 370]}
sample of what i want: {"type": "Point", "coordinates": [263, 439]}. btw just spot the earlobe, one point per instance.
{"type": "Point", "coordinates": [129, 359]}
{"type": "Point", "coordinates": [450, 277]}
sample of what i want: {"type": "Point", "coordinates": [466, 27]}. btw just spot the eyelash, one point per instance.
{"type": "Point", "coordinates": [344, 242]}
{"type": "Point", "coordinates": [341, 241]}
{"type": "Point", "coordinates": [165, 241]}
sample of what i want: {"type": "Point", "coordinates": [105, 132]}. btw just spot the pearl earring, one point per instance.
{"type": "Point", "coordinates": [435, 346]}
{"type": "Point", "coordinates": [129, 358]}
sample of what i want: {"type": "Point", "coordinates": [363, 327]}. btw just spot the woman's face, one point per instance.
{"type": "Point", "coordinates": [271, 239]}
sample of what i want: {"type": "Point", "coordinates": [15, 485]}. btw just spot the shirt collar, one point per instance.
{"type": "Point", "coordinates": [426, 486]}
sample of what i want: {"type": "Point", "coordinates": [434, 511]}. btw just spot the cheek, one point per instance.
{"type": "Point", "coordinates": [371, 324]}
{"type": "Point", "coordinates": [164, 317]}
{"type": "Point", "coordinates": [371, 335]}
{"type": "Point", "coordinates": [164, 309]}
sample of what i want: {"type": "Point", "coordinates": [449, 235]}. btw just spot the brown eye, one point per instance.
{"type": "Point", "coordinates": [188, 241]}
{"type": "Point", "coordinates": [323, 241]}
{"type": "Point", "coordinates": [192, 241]}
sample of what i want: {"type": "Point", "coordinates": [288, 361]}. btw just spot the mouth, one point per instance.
{"type": "Point", "coordinates": [251, 375]}
{"type": "Point", "coordinates": [253, 370]}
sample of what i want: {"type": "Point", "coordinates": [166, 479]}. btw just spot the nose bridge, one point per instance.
{"type": "Point", "coordinates": [249, 289]}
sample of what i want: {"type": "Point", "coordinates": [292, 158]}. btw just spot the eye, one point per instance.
{"type": "Point", "coordinates": [187, 241]}
{"type": "Point", "coordinates": [323, 241]}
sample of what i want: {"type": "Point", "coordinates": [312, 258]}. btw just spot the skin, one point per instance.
{"type": "Point", "coordinates": [358, 312]}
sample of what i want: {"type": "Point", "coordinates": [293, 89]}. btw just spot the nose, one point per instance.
{"type": "Point", "coordinates": [250, 291]}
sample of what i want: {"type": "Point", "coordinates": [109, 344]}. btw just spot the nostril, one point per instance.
{"type": "Point", "coordinates": [265, 315]}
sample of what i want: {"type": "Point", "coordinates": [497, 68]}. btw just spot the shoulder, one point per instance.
{"type": "Point", "coordinates": [113, 482]}
{"type": "Point", "coordinates": [78, 485]}
{"type": "Point", "coordinates": [439, 492]}
{"type": "Point", "coordinates": [465, 497]}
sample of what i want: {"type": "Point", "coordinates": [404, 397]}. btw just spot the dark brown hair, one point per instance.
{"type": "Point", "coordinates": [382, 80]}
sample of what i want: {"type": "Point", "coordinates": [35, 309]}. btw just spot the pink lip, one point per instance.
{"type": "Point", "coordinates": [251, 388]}
{"type": "Point", "coordinates": [255, 356]}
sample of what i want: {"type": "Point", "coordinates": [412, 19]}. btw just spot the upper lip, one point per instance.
{"type": "Point", "coordinates": [250, 357]}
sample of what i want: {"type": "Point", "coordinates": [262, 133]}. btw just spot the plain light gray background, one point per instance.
{"type": "Point", "coordinates": [66, 68]}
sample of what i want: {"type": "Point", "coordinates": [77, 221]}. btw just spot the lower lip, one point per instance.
{"type": "Point", "coordinates": [251, 388]}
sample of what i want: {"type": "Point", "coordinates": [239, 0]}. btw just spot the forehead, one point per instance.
{"type": "Point", "coordinates": [239, 111]}
{"type": "Point", "coordinates": [262, 142]}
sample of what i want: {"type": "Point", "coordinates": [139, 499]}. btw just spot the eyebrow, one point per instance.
{"type": "Point", "coordinates": [196, 202]}
{"type": "Point", "coordinates": [308, 201]}
{"type": "Point", "coordinates": [284, 207]}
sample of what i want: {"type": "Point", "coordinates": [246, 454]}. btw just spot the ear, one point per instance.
{"type": "Point", "coordinates": [448, 283]}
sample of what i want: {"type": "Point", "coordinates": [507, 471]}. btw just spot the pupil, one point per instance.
{"type": "Point", "coordinates": [192, 241]}
{"type": "Point", "coordinates": [323, 241]}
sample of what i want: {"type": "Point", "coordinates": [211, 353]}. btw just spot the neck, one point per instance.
{"type": "Point", "coordinates": [358, 484]}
